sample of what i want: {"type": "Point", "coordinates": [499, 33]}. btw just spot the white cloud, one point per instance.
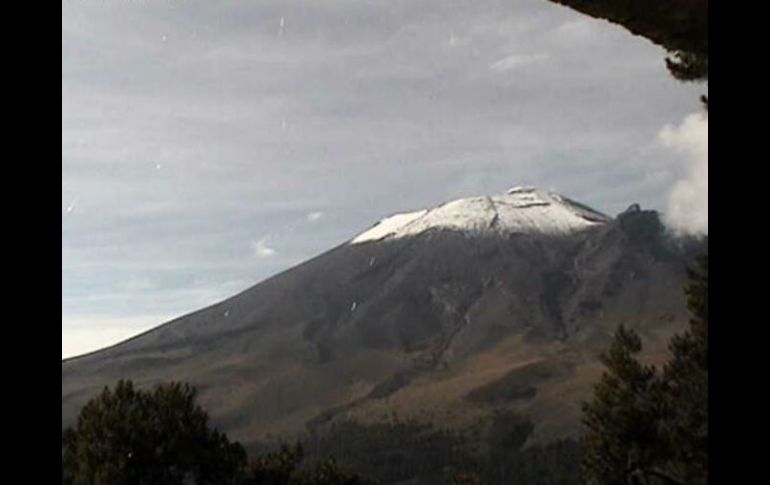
{"type": "Point", "coordinates": [315, 216]}
{"type": "Point", "coordinates": [261, 249]}
{"type": "Point", "coordinates": [687, 209]}
{"type": "Point", "coordinates": [516, 61]}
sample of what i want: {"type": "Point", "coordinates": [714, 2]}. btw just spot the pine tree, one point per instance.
{"type": "Point", "coordinates": [622, 419]}
{"type": "Point", "coordinates": [685, 386]}
{"type": "Point", "coordinates": [130, 436]}
{"type": "Point", "coordinates": [275, 468]}
{"type": "Point", "coordinates": [329, 472]}
{"type": "Point", "coordinates": [650, 428]}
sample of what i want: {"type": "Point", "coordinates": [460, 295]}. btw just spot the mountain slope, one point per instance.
{"type": "Point", "coordinates": [473, 306]}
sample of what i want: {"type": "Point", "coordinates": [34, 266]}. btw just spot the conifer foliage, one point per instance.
{"type": "Point", "coordinates": [685, 386]}
{"type": "Point", "coordinates": [282, 467]}
{"type": "Point", "coordinates": [647, 426]}
{"type": "Point", "coordinates": [160, 436]}
{"type": "Point", "coordinates": [621, 419]}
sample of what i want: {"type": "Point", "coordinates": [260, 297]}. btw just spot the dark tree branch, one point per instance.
{"type": "Point", "coordinates": [676, 25]}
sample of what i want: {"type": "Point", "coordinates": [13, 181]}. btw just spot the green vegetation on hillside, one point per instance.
{"type": "Point", "coordinates": [493, 450]}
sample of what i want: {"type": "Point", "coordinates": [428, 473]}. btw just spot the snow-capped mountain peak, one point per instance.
{"type": "Point", "coordinates": [519, 210]}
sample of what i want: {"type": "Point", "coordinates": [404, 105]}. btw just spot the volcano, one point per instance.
{"type": "Point", "coordinates": [448, 313]}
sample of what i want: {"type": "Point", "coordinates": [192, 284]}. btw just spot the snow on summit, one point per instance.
{"type": "Point", "coordinates": [520, 210]}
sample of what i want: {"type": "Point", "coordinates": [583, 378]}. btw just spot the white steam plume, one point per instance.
{"type": "Point", "coordinates": [688, 200]}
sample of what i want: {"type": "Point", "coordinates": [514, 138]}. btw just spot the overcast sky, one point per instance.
{"type": "Point", "coordinates": [208, 145]}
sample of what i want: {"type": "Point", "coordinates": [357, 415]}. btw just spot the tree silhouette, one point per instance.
{"type": "Point", "coordinates": [131, 436]}
{"type": "Point", "coordinates": [649, 427]}
{"type": "Point", "coordinates": [685, 386]}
